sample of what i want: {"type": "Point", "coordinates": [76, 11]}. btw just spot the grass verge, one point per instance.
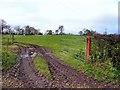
{"type": "Point", "coordinates": [8, 53]}
{"type": "Point", "coordinates": [8, 60]}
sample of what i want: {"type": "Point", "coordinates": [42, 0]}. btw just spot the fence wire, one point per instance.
{"type": "Point", "coordinates": [76, 47]}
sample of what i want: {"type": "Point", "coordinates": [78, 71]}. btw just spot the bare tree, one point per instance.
{"type": "Point", "coordinates": [22, 31]}
{"type": "Point", "coordinates": [46, 32]}
{"type": "Point", "coordinates": [33, 31]}
{"type": "Point", "coordinates": [8, 27]}
{"type": "Point", "coordinates": [36, 32]}
{"type": "Point", "coordinates": [61, 28]}
{"type": "Point", "coordinates": [50, 32]}
{"type": "Point", "coordinates": [2, 25]}
{"type": "Point", "coordinates": [27, 30]}
{"type": "Point", "coordinates": [80, 33]}
{"type": "Point", "coordinates": [57, 31]}
{"type": "Point", "coordinates": [18, 29]}
{"type": "Point", "coordinates": [89, 32]}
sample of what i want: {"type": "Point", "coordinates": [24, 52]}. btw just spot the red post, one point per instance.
{"type": "Point", "coordinates": [88, 47]}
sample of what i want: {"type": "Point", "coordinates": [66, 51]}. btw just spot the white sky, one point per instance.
{"type": "Point", "coordinates": [73, 14]}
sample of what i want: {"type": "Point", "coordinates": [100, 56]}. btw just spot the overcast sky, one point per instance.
{"type": "Point", "coordinates": [73, 14]}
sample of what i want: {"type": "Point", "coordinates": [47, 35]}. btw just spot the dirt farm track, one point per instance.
{"type": "Point", "coordinates": [24, 75]}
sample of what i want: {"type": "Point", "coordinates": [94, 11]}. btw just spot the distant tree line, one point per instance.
{"type": "Point", "coordinates": [87, 32]}
{"type": "Point", "coordinates": [25, 30]}
{"type": "Point", "coordinates": [29, 30]}
{"type": "Point", "coordinates": [59, 31]}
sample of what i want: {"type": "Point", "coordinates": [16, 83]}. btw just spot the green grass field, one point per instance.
{"type": "Point", "coordinates": [65, 47]}
{"type": "Point", "coordinates": [71, 50]}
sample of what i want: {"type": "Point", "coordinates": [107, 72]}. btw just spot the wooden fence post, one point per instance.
{"type": "Point", "coordinates": [7, 43]}
{"type": "Point", "coordinates": [88, 48]}
{"type": "Point", "coordinates": [12, 38]}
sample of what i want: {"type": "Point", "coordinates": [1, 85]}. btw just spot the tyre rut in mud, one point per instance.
{"type": "Point", "coordinates": [24, 72]}
{"type": "Point", "coordinates": [25, 75]}
{"type": "Point", "coordinates": [66, 76]}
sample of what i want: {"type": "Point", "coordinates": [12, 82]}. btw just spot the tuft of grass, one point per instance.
{"type": "Point", "coordinates": [41, 65]}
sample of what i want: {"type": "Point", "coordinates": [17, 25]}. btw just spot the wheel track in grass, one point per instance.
{"type": "Point", "coordinates": [24, 73]}
{"type": "Point", "coordinates": [64, 76]}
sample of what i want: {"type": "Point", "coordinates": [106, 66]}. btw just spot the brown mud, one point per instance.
{"type": "Point", "coordinates": [24, 75]}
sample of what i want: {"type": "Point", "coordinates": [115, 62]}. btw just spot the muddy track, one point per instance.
{"type": "Point", "coordinates": [66, 76]}
{"type": "Point", "coordinates": [24, 74]}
